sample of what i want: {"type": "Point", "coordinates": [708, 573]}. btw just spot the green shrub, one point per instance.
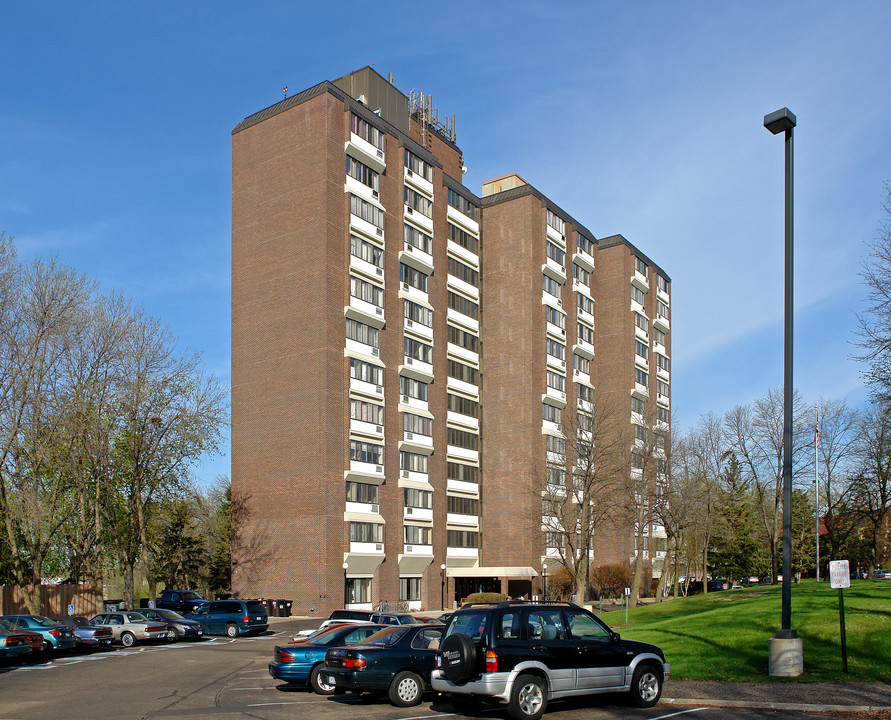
{"type": "Point", "coordinates": [485, 597]}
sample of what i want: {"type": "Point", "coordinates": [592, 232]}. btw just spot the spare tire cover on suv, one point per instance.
{"type": "Point", "coordinates": [459, 659]}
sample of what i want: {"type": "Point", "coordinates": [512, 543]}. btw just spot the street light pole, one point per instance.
{"type": "Point", "coordinates": [345, 566]}
{"type": "Point", "coordinates": [788, 661]}
{"type": "Point", "coordinates": [442, 569]}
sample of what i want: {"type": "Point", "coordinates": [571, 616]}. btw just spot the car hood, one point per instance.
{"type": "Point", "coordinates": [638, 647]}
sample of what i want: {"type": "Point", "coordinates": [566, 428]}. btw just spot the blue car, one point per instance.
{"type": "Point", "coordinates": [300, 662]}
{"type": "Point", "coordinates": [58, 636]}
{"type": "Point", "coordinates": [231, 617]}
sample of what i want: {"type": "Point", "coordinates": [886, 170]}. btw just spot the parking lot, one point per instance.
{"type": "Point", "coordinates": [222, 678]}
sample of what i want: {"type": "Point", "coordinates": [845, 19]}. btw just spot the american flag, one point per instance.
{"type": "Point", "coordinates": [817, 432]}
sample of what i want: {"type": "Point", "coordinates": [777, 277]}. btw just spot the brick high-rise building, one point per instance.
{"type": "Point", "coordinates": [404, 354]}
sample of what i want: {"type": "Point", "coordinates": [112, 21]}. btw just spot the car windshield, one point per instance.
{"type": "Point", "coordinates": [8, 626]}
{"type": "Point", "coordinates": [191, 596]}
{"type": "Point", "coordinates": [37, 619]}
{"type": "Point", "coordinates": [136, 617]}
{"type": "Point", "coordinates": [167, 614]}
{"type": "Point", "coordinates": [387, 636]}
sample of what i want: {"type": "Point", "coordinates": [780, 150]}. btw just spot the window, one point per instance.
{"type": "Point", "coordinates": [462, 204]}
{"type": "Point", "coordinates": [409, 588]}
{"type": "Point", "coordinates": [641, 321]}
{"type": "Point", "coordinates": [464, 339]}
{"type": "Point", "coordinates": [418, 313]}
{"type": "Point", "coordinates": [640, 266]}
{"type": "Point", "coordinates": [556, 444]}
{"type": "Point", "coordinates": [463, 305]}
{"type": "Point", "coordinates": [366, 452]}
{"type": "Point", "coordinates": [362, 493]}
{"type": "Point", "coordinates": [549, 507]}
{"type": "Point", "coordinates": [585, 303]}
{"type": "Point", "coordinates": [367, 131]}
{"type": "Point", "coordinates": [580, 274]}
{"type": "Point", "coordinates": [413, 462]}
{"type": "Point", "coordinates": [367, 211]}
{"type": "Point", "coordinates": [417, 350]}
{"type": "Point", "coordinates": [658, 336]}
{"type": "Point", "coordinates": [556, 381]}
{"type": "Point", "coordinates": [418, 424]}
{"type": "Point", "coordinates": [641, 377]}
{"type": "Point", "coordinates": [555, 349]}
{"type": "Point", "coordinates": [421, 499]}
{"type": "Point", "coordinates": [638, 295]}
{"type": "Point", "coordinates": [555, 317]}
{"type": "Point", "coordinates": [556, 254]}
{"type": "Point", "coordinates": [585, 333]}
{"type": "Point", "coordinates": [364, 250]}
{"type": "Point", "coordinates": [463, 405]}
{"type": "Point", "coordinates": [640, 433]}
{"type": "Point", "coordinates": [463, 473]}
{"type": "Point", "coordinates": [585, 244]}
{"type": "Point", "coordinates": [551, 413]}
{"type": "Point", "coordinates": [662, 362]}
{"type": "Point", "coordinates": [418, 166]}
{"type": "Point", "coordinates": [463, 539]}
{"type": "Point", "coordinates": [582, 364]}
{"type": "Point", "coordinates": [551, 286]}
{"type": "Point", "coordinates": [584, 392]}
{"type": "Point", "coordinates": [663, 414]}
{"type": "Point", "coordinates": [638, 406]}
{"type": "Point", "coordinates": [637, 461]}
{"type": "Point", "coordinates": [462, 439]}
{"type": "Point", "coordinates": [659, 441]}
{"type": "Point", "coordinates": [416, 201]}
{"type": "Point", "coordinates": [366, 372]}
{"type": "Point", "coordinates": [582, 625]}
{"type": "Point", "coordinates": [417, 535]}
{"type": "Point", "coordinates": [366, 532]}
{"type": "Point", "coordinates": [641, 349]}
{"type": "Point", "coordinates": [553, 540]}
{"type": "Point", "coordinates": [662, 387]}
{"type": "Point", "coordinates": [556, 222]}
{"type": "Point", "coordinates": [358, 590]}
{"type": "Point", "coordinates": [463, 372]}
{"type": "Point", "coordinates": [464, 505]}
{"type": "Point", "coordinates": [661, 283]}
{"type": "Point", "coordinates": [584, 422]}
{"type": "Point", "coordinates": [413, 388]}
{"type": "Point", "coordinates": [362, 173]}
{"type": "Point", "coordinates": [661, 309]}
{"type": "Point", "coordinates": [360, 332]}
{"type": "Point", "coordinates": [464, 272]}
{"type": "Point", "coordinates": [464, 239]}
{"type": "Point", "coordinates": [421, 240]}
{"type": "Point", "coordinates": [367, 412]}
{"type": "Point", "coordinates": [363, 290]}
{"type": "Point", "coordinates": [556, 475]}
{"type": "Point", "coordinates": [413, 277]}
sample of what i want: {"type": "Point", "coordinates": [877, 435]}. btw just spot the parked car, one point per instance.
{"type": "Point", "coordinates": [180, 628]}
{"type": "Point", "coordinates": [85, 633]}
{"type": "Point", "coordinates": [363, 616]}
{"type": "Point", "coordinates": [181, 601]}
{"type": "Point", "coordinates": [57, 636]}
{"type": "Point", "coordinates": [130, 626]}
{"type": "Point", "coordinates": [396, 660]}
{"type": "Point", "coordinates": [15, 642]}
{"type": "Point", "coordinates": [880, 574]}
{"type": "Point", "coordinates": [36, 641]}
{"type": "Point", "coordinates": [526, 654]}
{"type": "Point", "coordinates": [300, 662]}
{"type": "Point", "coordinates": [231, 617]}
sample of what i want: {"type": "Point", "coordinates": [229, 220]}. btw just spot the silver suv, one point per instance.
{"type": "Point", "coordinates": [525, 654]}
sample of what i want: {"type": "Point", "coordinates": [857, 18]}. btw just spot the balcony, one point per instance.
{"type": "Point", "coordinates": [554, 234]}
{"type": "Point", "coordinates": [661, 322]}
{"type": "Point", "coordinates": [418, 259]}
{"type": "Point", "coordinates": [554, 397]}
{"type": "Point", "coordinates": [586, 261]}
{"type": "Point", "coordinates": [369, 270]}
{"type": "Point", "coordinates": [464, 421]}
{"type": "Point", "coordinates": [555, 270]}
{"type": "Point", "coordinates": [583, 348]}
{"type": "Point", "coordinates": [363, 227]}
{"type": "Point", "coordinates": [413, 293]}
{"type": "Point", "coordinates": [472, 521]}
{"type": "Point", "coordinates": [354, 346]}
{"type": "Point", "coordinates": [640, 280]}
{"type": "Point", "coordinates": [416, 443]}
{"type": "Point", "coordinates": [365, 152]}
{"type": "Point", "coordinates": [413, 513]}
{"type": "Point", "coordinates": [365, 312]}
{"type": "Point", "coordinates": [419, 183]}
{"type": "Point", "coordinates": [416, 369]}
{"type": "Point", "coordinates": [463, 320]}
{"type": "Point", "coordinates": [459, 218]}
{"type": "Point", "coordinates": [419, 219]}
{"type": "Point", "coordinates": [371, 430]}
{"type": "Point", "coordinates": [463, 387]}
{"type": "Point", "coordinates": [465, 454]}
{"type": "Point", "coordinates": [640, 391]}
{"type": "Point", "coordinates": [413, 327]}
{"type": "Point", "coordinates": [460, 353]}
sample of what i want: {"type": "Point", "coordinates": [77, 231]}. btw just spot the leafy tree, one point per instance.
{"type": "Point", "coordinates": [738, 550]}
{"type": "Point", "coordinates": [803, 533]}
{"type": "Point", "coordinates": [181, 555]}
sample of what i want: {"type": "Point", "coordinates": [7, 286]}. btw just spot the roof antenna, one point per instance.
{"type": "Point", "coordinates": [285, 91]}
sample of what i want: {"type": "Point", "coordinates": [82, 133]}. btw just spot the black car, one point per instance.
{"type": "Point", "coordinates": [181, 601]}
{"type": "Point", "coordinates": [182, 628]}
{"type": "Point", "coordinates": [396, 660]}
{"type": "Point", "coordinates": [525, 654]}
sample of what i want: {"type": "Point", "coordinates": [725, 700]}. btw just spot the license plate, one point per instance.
{"type": "Point", "coordinates": [331, 680]}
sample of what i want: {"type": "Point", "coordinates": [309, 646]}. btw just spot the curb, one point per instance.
{"type": "Point", "coordinates": [799, 707]}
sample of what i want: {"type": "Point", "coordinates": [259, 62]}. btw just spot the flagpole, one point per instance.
{"type": "Point", "coordinates": [817, 485]}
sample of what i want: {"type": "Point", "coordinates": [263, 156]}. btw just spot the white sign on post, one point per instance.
{"type": "Point", "coordinates": [627, 591]}
{"type": "Point", "coordinates": [839, 574]}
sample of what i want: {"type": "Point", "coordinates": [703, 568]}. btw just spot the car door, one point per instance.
{"type": "Point", "coordinates": [202, 615]}
{"type": "Point", "coordinates": [422, 655]}
{"type": "Point", "coordinates": [600, 660]}
{"type": "Point", "coordinates": [546, 637]}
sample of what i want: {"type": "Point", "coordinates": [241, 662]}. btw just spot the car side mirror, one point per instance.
{"type": "Point", "coordinates": [615, 637]}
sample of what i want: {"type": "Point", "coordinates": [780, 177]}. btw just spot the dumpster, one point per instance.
{"type": "Point", "coordinates": [113, 605]}
{"type": "Point", "coordinates": [285, 608]}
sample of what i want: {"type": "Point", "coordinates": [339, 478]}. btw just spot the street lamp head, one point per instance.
{"type": "Point", "coordinates": [780, 121]}
{"type": "Point", "coordinates": [345, 566]}
{"type": "Point", "coordinates": [442, 566]}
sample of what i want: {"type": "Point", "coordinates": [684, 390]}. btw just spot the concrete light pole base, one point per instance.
{"type": "Point", "coordinates": [785, 657]}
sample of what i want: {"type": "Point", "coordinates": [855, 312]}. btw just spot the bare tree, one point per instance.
{"type": "Point", "coordinates": [872, 487]}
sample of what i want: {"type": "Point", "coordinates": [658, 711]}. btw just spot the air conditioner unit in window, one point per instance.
{"type": "Point", "coordinates": [379, 311]}
{"type": "Point", "coordinates": [379, 231]}
{"type": "Point", "coordinates": [408, 210]}
{"type": "Point", "coordinates": [375, 352]}
{"type": "Point", "coordinates": [408, 548]}
{"type": "Point", "coordinates": [559, 302]}
{"type": "Point", "coordinates": [375, 193]}
{"type": "Point", "coordinates": [410, 248]}
{"type": "Point", "coordinates": [405, 286]}
{"type": "Point", "coordinates": [379, 468]}
{"type": "Point", "coordinates": [375, 508]}
{"type": "Point", "coordinates": [562, 331]}
{"type": "Point", "coordinates": [405, 474]}
{"type": "Point", "coordinates": [408, 172]}
{"type": "Point", "coordinates": [379, 546]}
{"type": "Point", "coordinates": [405, 398]}
{"type": "Point", "coordinates": [408, 511]}
{"type": "Point", "coordinates": [575, 372]}
{"type": "Point", "coordinates": [380, 153]}
{"type": "Point", "coordinates": [379, 428]}
{"type": "Point", "coordinates": [409, 436]}
{"type": "Point", "coordinates": [562, 364]}
{"type": "Point", "coordinates": [409, 361]}
{"type": "Point", "coordinates": [563, 395]}
{"type": "Point", "coordinates": [379, 271]}
{"type": "Point", "coordinates": [379, 388]}
{"type": "Point", "coordinates": [559, 427]}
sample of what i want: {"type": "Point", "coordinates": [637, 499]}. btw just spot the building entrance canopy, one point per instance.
{"type": "Point", "coordinates": [494, 571]}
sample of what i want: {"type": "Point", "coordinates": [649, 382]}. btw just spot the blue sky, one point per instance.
{"type": "Point", "coordinates": [643, 119]}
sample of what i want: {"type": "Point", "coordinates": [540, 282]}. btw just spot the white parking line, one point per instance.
{"type": "Point", "coordinates": [680, 712]}
{"type": "Point", "coordinates": [298, 702]}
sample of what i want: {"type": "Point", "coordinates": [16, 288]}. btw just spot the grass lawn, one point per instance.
{"type": "Point", "coordinates": [723, 635]}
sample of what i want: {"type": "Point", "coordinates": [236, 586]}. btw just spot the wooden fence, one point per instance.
{"type": "Point", "coordinates": [55, 600]}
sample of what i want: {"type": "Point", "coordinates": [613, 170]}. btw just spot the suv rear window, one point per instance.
{"type": "Point", "coordinates": [472, 624]}
{"type": "Point", "coordinates": [255, 608]}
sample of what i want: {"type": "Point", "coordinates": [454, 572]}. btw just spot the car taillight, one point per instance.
{"type": "Point", "coordinates": [55, 633]}
{"type": "Point", "coordinates": [491, 661]}
{"type": "Point", "coordinates": [247, 618]}
{"type": "Point", "coordinates": [285, 656]}
{"type": "Point", "coordinates": [354, 662]}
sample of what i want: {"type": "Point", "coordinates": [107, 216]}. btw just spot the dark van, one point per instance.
{"type": "Point", "coordinates": [231, 617]}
